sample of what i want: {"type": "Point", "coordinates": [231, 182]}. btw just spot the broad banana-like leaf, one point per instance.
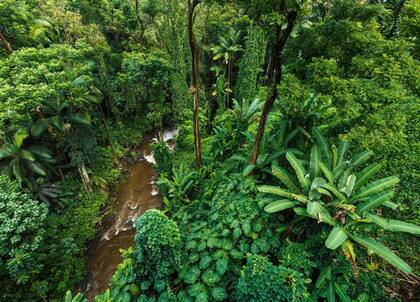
{"type": "Point", "coordinates": [312, 208]}
{"type": "Point", "coordinates": [330, 291]}
{"type": "Point", "coordinates": [337, 193]}
{"type": "Point", "coordinates": [39, 127]}
{"type": "Point", "coordinates": [316, 210]}
{"type": "Point", "coordinates": [17, 170]}
{"type": "Point", "coordinates": [27, 155]}
{"type": "Point", "coordinates": [4, 153]}
{"type": "Point", "coordinates": [41, 152]}
{"type": "Point", "coordinates": [248, 170]}
{"type": "Point", "coordinates": [37, 168]}
{"type": "Point", "coordinates": [299, 170]}
{"type": "Point", "coordinates": [340, 169]}
{"type": "Point", "coordinates": [282, 193]}
{"type": "Point", "coordinates": [334, 155]}
{"type": "Point", "coordinates": [324, 146]}
{"type": "Point", "coordinates": [327, 173]}
{"type": "Point", "coordinates": [343, 147]}
{"type": "Point", "coordinates": [57, 122]}
{"type": "Point", "coordinates": [382, 222]}
{"type": "Point", "coordinates": [79, 118]}
{"type": "Point", "coordinates": [20, 135]}
{"type": "Point", "coordinates": [325, 275]}
{"type": "Point", "coordinates": [291, 136]}
{"type": "Point", "coordinates": [375, 187]}
{"type": "Point", "coordinates": [375, 201]}
{"type": "Point", "coordinates": [315, 161]}
{"type": "Point", "coordinates": [401, 226]}
{"type": "Point", "coordinates": [360, 158]}
{"type": "Point", "coordinates": [325, 216]}
{"type": "Point", "coordinates": [366, 174]}
{"type": "Point", "coordinates": [286, 178]}
{"type": "Point", "coordinates": [383, 252]}
{"type": "Point", "coordinates": [341, 293]}
{"type": "Point", "coordinates": [349, 185]}
{"type": "Point", "coordinates": [391, 205]}
{"type": "Point", "coordinates": [280, 205]}
{"type": "Point", "coordinates": [336, 238]}
{"type": "Point", "coordinates": [301, 211]}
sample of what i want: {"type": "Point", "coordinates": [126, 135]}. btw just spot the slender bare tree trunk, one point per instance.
{"type": "Point", "coordinates": [274, 79]}
{"type": "Point", "coordinates": [192, 4]}
{"type": "Point", "coordinates": [6, 44]}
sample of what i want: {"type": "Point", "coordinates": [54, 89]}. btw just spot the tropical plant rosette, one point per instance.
{"type": "Point", "coordinates": [333, 191]}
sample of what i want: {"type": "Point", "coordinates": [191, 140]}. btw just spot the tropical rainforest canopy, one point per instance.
{"type": "Point", "coordinates": [294, 175]}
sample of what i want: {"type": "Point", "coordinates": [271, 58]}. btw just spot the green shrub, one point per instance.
{"type": "Point", "coordinates": [157, 253]}
{"type": "Point", "coordinates": [22, 232]}
{"type": "Point", "coordinates": [262, 281]}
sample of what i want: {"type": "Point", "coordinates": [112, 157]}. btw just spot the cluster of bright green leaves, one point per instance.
{"type": "Point", "coordinates": [262, 281]}
{"type": "Point", "coordinates": [330, 189]}
{"type": "Point", "coordinates": [22, 231]}
{"type": "Point", "coordinates": [33, 79]}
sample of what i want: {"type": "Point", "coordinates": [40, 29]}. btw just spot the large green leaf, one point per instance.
{"type": "Point", "coordinates": [313, 208]}
{"type": "Point", "coordinates": [375, 187]}
{"type": "Point", "coordinates": [383, 252]}
{"type": "Point", "coordinates": [4, 153]}
{"type": "Point", "coordinates": [366, 174]}
{"type": "Point", "coordinates": [315, 161]}
{"type": "Point", "coordinates": [401, 226]}
{"type": "Point", "coordinates": [39, 127]}
{"type": "Point", "coordinates": [327, 173]}
{"type": "Point", "coordinates": [330, 291]}
{"type": "Point", "coordinates": [324, 147]}
{"type": "Point", "coordinates": [337, 193]}
{"type": "Point", "coordinates": [279, 205]}
{"type": "Point", "coordinates": [285, 178]}
{"type": "Point", "coordinates": [349, 185]}
{"type": "Point", "coordinates": [41, 152]}
{"type": "Point", "coordinates": [382, 222]}
{"type": "Point", "coordinates": [341, 293]}
{"type": "Point", "coordinates": [375, 201]}
{"type": "Point", "coordinates": [57, 122]}
{"type": "Point", "coordinates": [336, 238]}
{"type": "Point", "coordinates": [282, 193]}
{"type": "Point", "coordinates": [360, 158]}
{"type": "Point", "coordinates": [325, 275]}
{"type": "Point", "coordinates": [20, 135]}
{"type": "Point", "coordinates": [79, 118]}
{"type": "Point", "coordinates": [343, 147]}
{"type": "Point", "coordinates": [27, 155]}
{"type": "Point", "coordinates": [299, 170]}
{"type": "Point", "coordinates": [37, 168]}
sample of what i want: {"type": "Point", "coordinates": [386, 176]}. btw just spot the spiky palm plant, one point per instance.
{"type": "Point", "coordinates": [332, 189]}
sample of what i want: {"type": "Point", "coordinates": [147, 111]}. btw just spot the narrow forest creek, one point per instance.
{"type": "Point", "coordinates": [136, 194]}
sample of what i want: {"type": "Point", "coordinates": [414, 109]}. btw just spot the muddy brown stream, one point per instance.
{"type": "Point", "coordinates": [135, 195]}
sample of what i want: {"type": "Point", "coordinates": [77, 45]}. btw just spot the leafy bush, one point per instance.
{"type": "Point", "coordinates": [157, 253]}
{"type": "Point", "coordinates": [22, 232]}
{"type": "Point", "coordinates": [262, 281]}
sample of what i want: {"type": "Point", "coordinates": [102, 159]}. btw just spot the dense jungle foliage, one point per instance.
{"type": "Point", "coordinates": [295, 172]}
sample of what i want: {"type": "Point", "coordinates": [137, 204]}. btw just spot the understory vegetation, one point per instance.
{"type": "Point", "coordinates": [295, 172]}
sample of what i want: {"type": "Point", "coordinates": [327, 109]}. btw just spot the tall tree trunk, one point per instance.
{"type": "Point", "coordinates": [6, 44]}
{"type": "Point", "coordinates": [192, 4]}
{"type": "Point", "coordinates": [274, 80]}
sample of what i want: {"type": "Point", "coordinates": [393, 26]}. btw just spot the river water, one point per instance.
{"type": "Point", "coordinates": [135, 195]}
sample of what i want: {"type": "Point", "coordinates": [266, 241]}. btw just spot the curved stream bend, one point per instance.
{"type": "Point", "coordinates": [135, 195]}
